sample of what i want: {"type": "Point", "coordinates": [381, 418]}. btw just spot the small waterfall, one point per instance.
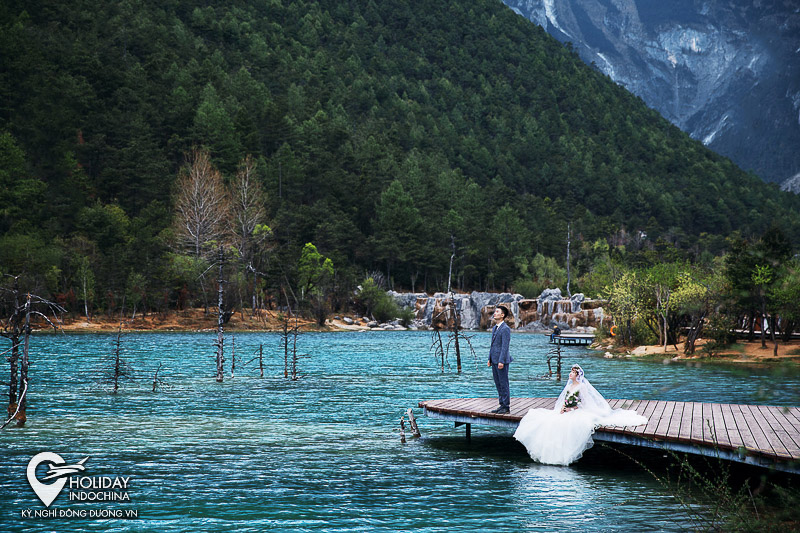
{"type": "Point", "coordinates": [529, 314]}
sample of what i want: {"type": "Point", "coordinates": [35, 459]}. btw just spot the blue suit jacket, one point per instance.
{"type": "Point", "coordinates": [501, 337]}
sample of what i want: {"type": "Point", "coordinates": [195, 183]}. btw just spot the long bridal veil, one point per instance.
{"type": "Point", "coordinates": [593, 401]}
{"type": "Point", "coordinates": [552, 437]}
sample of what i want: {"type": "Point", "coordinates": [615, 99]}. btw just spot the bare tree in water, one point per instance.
{"type": "Point", "coordinates": [119, 371]}
{"type": "Point", "coordinates": [17, 328]}
{"type": "Point", "coordinates": [451, 315]}
{"type": "Point", "coordinates": [223, 314]}
{"type": "Point", "coordinates": [158, 381]}
{"type": "Point", "coordinates": [290, 331]}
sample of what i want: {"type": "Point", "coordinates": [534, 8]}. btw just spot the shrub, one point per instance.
{"type": "Point", "coordinates": [529, 288]}
{"type": "Point", "coordinates": [406, 316]}
{"type": "Point", "coordinates": [375, 302]}
{"type": "Point", "coordinates": [385, 309]}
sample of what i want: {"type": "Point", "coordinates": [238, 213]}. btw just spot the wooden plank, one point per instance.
{"type": "Point", "coordinates": [674, 428]}
{"type": "Point", "coordinates": [480, 406]}
{"type": "Point", "coordinates": [438, 404]}
{"type": "Point", "coordinates": [456, 405]}
{"type": "Point", "coordinates": [762, 443]}
{"type": "Point", "coordinates": [709, 431]}
{"type": "Point", "coordinates": [697, 423]}
{"type": "Point", "coordinates": [788, 435]}
{"type": "Point", "coordinates": [649, 407]}
{"type": "Point", "coordinates": [663, 423]}
{"type": "Point", "coordinates": [720, 430]}
{"type": "Point", "coordinates": [792, 430]}
{"type": "Point", "coordinates": [792, 415]}
{"type": "Point", "coordinates": [629, 405]}
{"type": "Point", "coordinates": [771, 443]}
{"type": "Point", "coordinates": [522, 405]}
{"type": "Point", "coordinates": [655, 418]}
{"type": "Point", "coordinates": [685, 433]}
{"type": "Point", "coordinates": [449, 404]}
{"type": "Point", "coordinates": [744, 430]}
{"type": "Point", "coordinates": [467, 406]}
{"type": "Point", "coordinates": [730, 425]}
{"type": "Point", "coordinates": [776, 432]}
{"type": "Point", "coordinates": [545, 403]}
{"type": "Point", "coordinates": [624, 404]}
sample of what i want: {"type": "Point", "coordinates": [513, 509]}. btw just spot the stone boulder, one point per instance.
{"type": "Point", "coordinates": [406, 299]}
{"type": "Point", "coordinates": [528, 312]}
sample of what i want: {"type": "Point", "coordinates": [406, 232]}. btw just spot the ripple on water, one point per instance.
{"type": "Point", "coordinates": [322, 453]}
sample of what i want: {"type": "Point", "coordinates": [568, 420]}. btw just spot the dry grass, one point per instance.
{"type": "Point", "coordinates": [189, 320]}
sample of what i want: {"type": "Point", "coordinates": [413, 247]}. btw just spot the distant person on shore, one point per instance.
{"type": "Point", "coordinates": [499, 358]}
{"type": "Point", "coordinates": [556, 332]}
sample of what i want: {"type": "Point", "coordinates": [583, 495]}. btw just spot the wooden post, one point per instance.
{"type": "Point", "coordinates": [558, 363]}
{"type": "Point", "coordinates": [220, 319]}
{"type": "Point", "coordinates": [569, 236]}
{"type": "Point", "coordinates": [451, 305]}
{"type": "Point", "coordinates": [233, 356]}
{"type": "Point", "coordinates": [23, 369]}
{"type": "Point", "coordinates": [468, 432]}
{"type": "Point", "coordinates": [14, 335]}
{"type": "Point", "coordinates": [261, 359]}
{"type": "Point", "coordinates": [285, 334]}
{"type": "Point", "coordinates": [295, 332]}
{"type": "Point", "coordinates": [412, 422]}
{"type": "Point", "coordinates": [402, 429]}
{"type": "Point", "coordinates": [155, 377]}
{"type": "Point", "coordinates": [117, 368]}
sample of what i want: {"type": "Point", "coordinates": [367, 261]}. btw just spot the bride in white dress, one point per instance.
{"type": "Point", "coordinates": [560, 435]}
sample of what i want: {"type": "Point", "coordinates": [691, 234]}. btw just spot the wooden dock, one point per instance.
{"type": "Point", "coordinates": [760, 435]}
{"type": "Point", "coordinates": [575, 339]}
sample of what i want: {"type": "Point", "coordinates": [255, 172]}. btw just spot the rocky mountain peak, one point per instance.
{"type": "Point", "coordinates": [727, 73]}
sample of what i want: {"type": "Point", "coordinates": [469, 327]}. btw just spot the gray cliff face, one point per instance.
{"type": "Point", "coordinates": [792, 184]}
{"type": "Point", "coordinates": [475, 310]}
{"type": "Point", "coordinates": [727, 73]}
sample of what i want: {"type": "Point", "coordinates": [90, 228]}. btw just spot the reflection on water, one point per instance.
{"type": "Point", "coordinates": [322, 453]}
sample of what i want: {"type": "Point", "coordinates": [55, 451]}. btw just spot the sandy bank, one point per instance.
{"type": "Point", "coordinates": [741, 352]}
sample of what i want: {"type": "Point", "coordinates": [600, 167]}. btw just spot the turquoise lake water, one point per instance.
{"type": "Point", "coordinates": [322, 453]}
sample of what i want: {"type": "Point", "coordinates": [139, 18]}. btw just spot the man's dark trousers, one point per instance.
{"type": "Point", "coordinates": [500, 376]}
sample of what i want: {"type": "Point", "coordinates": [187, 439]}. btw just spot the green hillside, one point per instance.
{"type": "Point", "coordinates": [382, 132]}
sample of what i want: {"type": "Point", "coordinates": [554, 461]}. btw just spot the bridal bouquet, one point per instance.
{"type": "Point", "coordinates": [572, 400]}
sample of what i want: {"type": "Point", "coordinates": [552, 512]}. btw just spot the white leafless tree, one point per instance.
{"type": "Point", "coordinates": [248, 217]}
{"type": "Point", "coordinates": [247, 208]}
{"type": "Point", "coordinates": [202, 204]}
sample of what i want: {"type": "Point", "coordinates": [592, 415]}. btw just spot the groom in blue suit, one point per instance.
{"type": "Point", "coordinates": [499, 358]}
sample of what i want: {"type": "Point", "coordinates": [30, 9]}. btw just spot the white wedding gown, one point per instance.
{"type": "Point", "coordinates": [556, 438]}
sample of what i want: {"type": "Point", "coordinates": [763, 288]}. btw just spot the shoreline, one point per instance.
{"type": "Point", "coordinates": [741, 352]}
{"type": "Point", "coordinates": [197, 321]}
